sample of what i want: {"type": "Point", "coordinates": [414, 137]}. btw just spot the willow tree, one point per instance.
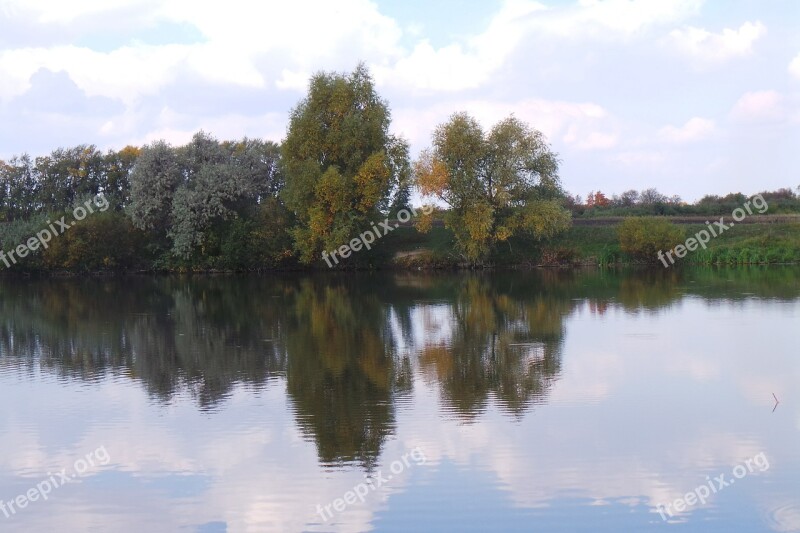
{"type": "Point", "coordinates": [343, 168]}
{"type": "Point", "coordinates": [184, 193]}
{"type": "Point", "coordinates": [497, 184]}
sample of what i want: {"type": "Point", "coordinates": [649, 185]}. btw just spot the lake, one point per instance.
{"type": "Point", "coordinates": [554, 400]}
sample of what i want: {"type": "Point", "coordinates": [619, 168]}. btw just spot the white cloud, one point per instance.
{"type": "Point", "coordinates": [450, 68]}
{"type": "Point", "coordinates": [594, 140]}
{"type": "Point", "coordinates": [758, 105]}
{"type": "Point", "coordinates": [64, 13]}
{"type": "Point", "coordinates": [695, 129]}
{"type": "Point", "coordinates": [305, 29]}
{"type": "Point", "coordinates": [470, 64]}
{"type": "Point", "coordinates": [331, 35]}
{"type": "Point", "coordinates": [613, 18]}
{"type": "Point", "coordinates": [640, 158]}
{"type": "Point", "coordinates": [293, 80]}
{"type": "Point", "coordinates": [705, 46]}
{"type": "Point", "coordinates": [794, 67]}
{"type": "Point", "coordinates": [459, 66]}
{"type": "Point", "coordinates": [236, 51]}
{"type": "Point", "coordinates": [125, 73]}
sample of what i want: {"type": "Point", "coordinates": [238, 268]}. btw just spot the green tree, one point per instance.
{"type": "Point", "coordinates": [497, 185]}
{"type": "Point", "coordinates": [224, 181]}
{"type": "Point", "coordinates": [19, 188]}
{"type": "Point", "coordinates": [343, 168]}
{"type": "Point", "coordinates": [154, 180]}
{"type": "Point", "coordinates": [208, 184]}
{"type": "Point", "coordinates": [185, 195]}
{"type": "Point", "coordinates": [67, 175]}
{"type": "Point", "coordinates": [118, 168]}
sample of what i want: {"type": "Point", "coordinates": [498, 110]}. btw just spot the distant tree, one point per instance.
{"type": "Point", "coordinates": [497, 185]}
{"type": "Point", "coordinates": [780, 194]}
{"type": "Point", "coordinates": [68, 175]}
{"type": "Point", "coordinates": [709, 199]}
{"type": "Point", "coordinates": [343, 168]}
{"type": "Point", "coordinates": [629, 198]}
{"type": "Point", "coordinates": [572, 202]}
{"type": "Point", "coordinates": [675, 200]}
{"type": "Point", "coordinates": [600, 200]}
{"type": "Point", "coordinates": [19, 188]}
{"type": "Point", "coordinates": [734, 198]}
{"type": "Point", "coordinates": [652, 196]}
{"type": "Point", "coordinates": [597, 199]}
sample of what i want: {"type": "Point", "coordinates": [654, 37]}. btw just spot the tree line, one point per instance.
{"type": "Point", "coordinates": [252, 204]}
{"type": "Point", "coordinates": [650, 202]}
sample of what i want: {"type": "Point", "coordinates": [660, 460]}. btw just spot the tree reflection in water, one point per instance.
{"type": "Point", "coordinates": [348, 347]}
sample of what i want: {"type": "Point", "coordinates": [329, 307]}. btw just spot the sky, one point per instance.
{"type": "Point", "coordinates": [692, 97]}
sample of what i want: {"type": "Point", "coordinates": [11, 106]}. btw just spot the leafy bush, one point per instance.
{"type": "Point", "coordinates": [103, 242]}
{"type": "Point", "coordinates": [15, 233]}
{"type": "Point", "coordinates": [643, 237]}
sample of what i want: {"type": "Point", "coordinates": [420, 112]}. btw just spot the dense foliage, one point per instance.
{"type": "Point", "coordinates": [211, 204]}
{"type": "Point", "coordinates": [345, 170]}
{"type": "Point", "coordinates": [496, 184]}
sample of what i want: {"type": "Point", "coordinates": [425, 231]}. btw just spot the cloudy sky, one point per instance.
{"type": "Point", "coordinates": [688, 96]}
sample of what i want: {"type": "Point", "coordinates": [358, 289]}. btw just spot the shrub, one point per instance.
{"type": "Point", "coordinates": [102, 242]}
{"type": "Point", "coordinates": [643, 237]}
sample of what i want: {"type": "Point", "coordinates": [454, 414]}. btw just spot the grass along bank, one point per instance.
{"type": "Point", "coordinates": [758, 242]}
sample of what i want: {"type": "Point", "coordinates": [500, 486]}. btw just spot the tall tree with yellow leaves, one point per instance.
{"type": "Point", "coordinates": [343, 168]}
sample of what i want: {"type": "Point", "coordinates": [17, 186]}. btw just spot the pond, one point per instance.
{"type": "Point", "coordinates": [554, 400]}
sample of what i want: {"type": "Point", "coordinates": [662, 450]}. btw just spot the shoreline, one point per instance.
{"type": "Point", "coordinates": [62, 274]}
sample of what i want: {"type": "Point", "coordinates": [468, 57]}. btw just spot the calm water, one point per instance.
{"type": "Point", "coordinates": [541, 401]}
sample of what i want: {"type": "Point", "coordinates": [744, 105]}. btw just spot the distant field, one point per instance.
{"type": "Point", "coordinates": [755, 219]}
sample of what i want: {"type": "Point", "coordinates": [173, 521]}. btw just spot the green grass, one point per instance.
{"type": "Point", "coordinates": [743, 244]}
{"type": "Point", "coordinates": [590, 242]}
{"type": "Point", "coordinates": [750, 244]}
{"type": "Point", "coordinates": [599, 245]}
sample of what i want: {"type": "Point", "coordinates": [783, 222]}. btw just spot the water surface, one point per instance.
{"type": "Point", "coordinates": [506, 401]}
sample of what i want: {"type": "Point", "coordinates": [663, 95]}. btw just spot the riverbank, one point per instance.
{"type": "Point", "coordinates": [595, 242]}
{"type": "Point", "coordinates": [588, 242]}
